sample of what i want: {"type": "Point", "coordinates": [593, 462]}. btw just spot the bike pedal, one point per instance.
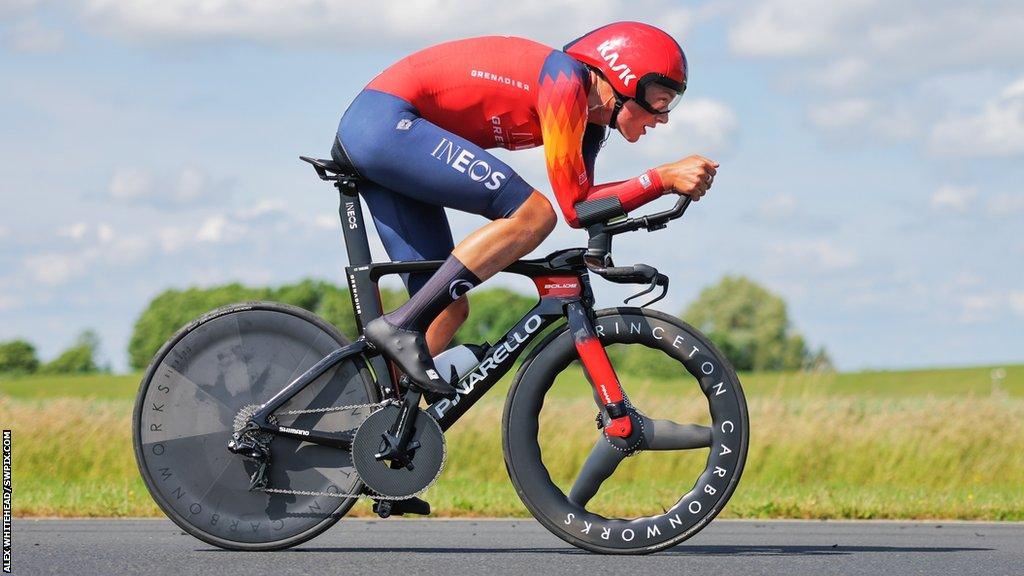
{"type": "Point", "coordinates": [382, 508]}
{"type": "Point", "coordinates": [385, 508]}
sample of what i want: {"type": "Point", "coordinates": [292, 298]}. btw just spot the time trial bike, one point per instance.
{"type": "Point", "coordinates": [258, 425]}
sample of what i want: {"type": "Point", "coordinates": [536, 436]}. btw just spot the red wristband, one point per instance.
{"type": "Point", "coordinates": [655, 180]}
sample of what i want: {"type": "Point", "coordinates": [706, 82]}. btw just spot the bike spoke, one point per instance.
{"type": "Point", "coordinates": [669, 435]}
{"type": "Point", "coordinates": [601, 463]}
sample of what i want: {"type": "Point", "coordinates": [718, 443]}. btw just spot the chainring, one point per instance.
{"type": "Point", "coordinates": [380, 477]}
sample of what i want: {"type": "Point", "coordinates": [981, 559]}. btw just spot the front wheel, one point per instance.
{"type": "Point", "coordinates": [680, 466]}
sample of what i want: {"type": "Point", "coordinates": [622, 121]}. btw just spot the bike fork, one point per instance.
{"type": "Point", "coordinates": [599, 371]}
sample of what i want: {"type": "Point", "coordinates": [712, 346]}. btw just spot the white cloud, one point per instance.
{"type": "Point", "coordinates": [127, 251]}
{"type": "Point", "coordinates": [325, 222]}
{"type": "Point", "coordinates": [191, 185]}
{"type": "Point", "coordinates": [782, 28]}
{"type": "Point", "coordinates": [866, 118]}
{"type": "Point", "coordinates": [1006, 204]}
{"type": "Point", "coordinates": [842, 114]}
{"type": "Point", "coordinates": [11, 8]}
{"type": "Point", "coordinates": [874, 59]}
{"type": "Point", "coordinates": [356, 22]}
{"type": "Point", "coordinates": [707, 126]}
{"type": "Point", "coordinates": [31, 36]}
{"type": "Point", "coordinates": [818, 254]}
{"type": "Point", "coordinates": [953, 197]}
{"type": "Point", "coordinates": [7, 302]}
{"type": "Point", "coordinates": [266, 207]}
{"type": "Point", "coordinates": [84, 232]}
{"type": "Point", "coordinates": [266, 218]}
{"type": "Point", "coordinates": [96, 248]}
{"type": "Point", "coordinates": [137, 185]}
{"type": "Point", "coordinates": [843, 74]}
{"type": "Point", "coordinates": [105, 233]}
{"type": "Point", "coordinates": [1017, 303]}
{"type": "Point", "coordinates": [130, 184]}
{"type": "Point", "coordinates": [915, 36]}
{"type": "Point", "coordinates": [219, 228]}
{"type": "Point", "coordinates": [53, 269]}
{"type": "Point", "coordinates": [76, 231]}
{"type": "Point", "coordinates": [990, 306]}
{"type": "Point", "coordinates": [777, 207]}
{"type": "Point", "coordinates": [978, 308]}
{"type": "Point", "coordinates": [996, 130]}
{"type": "Point", "coordinates": [172, 239]}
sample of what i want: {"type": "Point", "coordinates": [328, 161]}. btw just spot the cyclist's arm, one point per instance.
{"type": "Point", "coordinates": [562, 108]}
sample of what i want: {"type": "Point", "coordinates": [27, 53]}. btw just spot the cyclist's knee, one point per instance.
{"type": "Point", "coordinates": [536, 217]}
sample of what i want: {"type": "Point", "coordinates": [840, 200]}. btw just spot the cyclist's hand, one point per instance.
{"type": "Point", "coordinates": [692, 176]}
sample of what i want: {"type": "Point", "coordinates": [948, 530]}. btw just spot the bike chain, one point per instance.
{"type": "Point", "coordinates": [374, 407]}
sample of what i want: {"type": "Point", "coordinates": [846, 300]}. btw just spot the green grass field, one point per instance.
{"type": "Point", "coordinates": [901, 444]}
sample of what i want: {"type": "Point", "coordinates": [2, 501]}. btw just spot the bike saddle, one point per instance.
{"type": "Point", "coordinates": [331, 170]}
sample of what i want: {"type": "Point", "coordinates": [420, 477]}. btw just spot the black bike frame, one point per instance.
{"type": "Point", "coordinates": [562, 281]}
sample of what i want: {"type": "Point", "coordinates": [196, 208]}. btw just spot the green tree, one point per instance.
{"type": "Point", "coordinates": [18, 357]}
{"type": "Point", "coordinates": [336, 307]}
{"type": "Point", "coordinates": [80, 358]}
{"type": "Point", "coordinates": [491, 313]}
{"type": "Point", "coordinates": [173, 309]}
{"type": "Point", "coordinates": [751, 326]}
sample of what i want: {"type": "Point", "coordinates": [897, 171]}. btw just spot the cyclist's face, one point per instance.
{"type": "Point", "coordinates": [634, 121]}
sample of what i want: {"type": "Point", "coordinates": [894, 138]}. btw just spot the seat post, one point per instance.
{"type": "Point", "coordinates": [352, 223]}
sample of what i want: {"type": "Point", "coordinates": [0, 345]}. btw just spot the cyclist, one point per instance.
{"type": "Point", "coordinates": [418, 133]}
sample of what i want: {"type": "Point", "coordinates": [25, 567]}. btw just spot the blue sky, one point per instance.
{"type": "Point", "coordinates": [871, 157]}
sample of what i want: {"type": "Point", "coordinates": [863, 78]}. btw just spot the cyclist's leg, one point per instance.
{"type": "Point", "coordinates": [414, 230]}
{"type": "Point", "coordinates": [441, 168]}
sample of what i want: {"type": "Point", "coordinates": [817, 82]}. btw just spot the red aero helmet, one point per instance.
{"type": "Point", "coordinates": [632, 56]}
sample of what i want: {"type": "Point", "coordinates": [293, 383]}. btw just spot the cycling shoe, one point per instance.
{"type": "Point", "coordinates": [409, 350]}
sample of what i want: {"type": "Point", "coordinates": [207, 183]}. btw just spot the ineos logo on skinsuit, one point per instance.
{"type": "Point", "coordinates": [459, 287]}
{"type": "Point", "coordinates": [462, 160]}
{"type": "Point", "coordinates": [612, 58]}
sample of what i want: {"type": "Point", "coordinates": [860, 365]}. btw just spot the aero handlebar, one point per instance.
{"type": "Point", "coordinates": [598, 256]}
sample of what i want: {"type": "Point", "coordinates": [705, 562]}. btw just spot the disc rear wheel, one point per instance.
{"type": "Point", "coordinates": [204, 377]}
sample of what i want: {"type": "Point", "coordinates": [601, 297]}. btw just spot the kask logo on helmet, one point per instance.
{"type": "Point", "coordinates": [612, 58]}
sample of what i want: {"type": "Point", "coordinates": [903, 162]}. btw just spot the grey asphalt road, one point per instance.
{"type": "Point", "coordinates": [490, 547]}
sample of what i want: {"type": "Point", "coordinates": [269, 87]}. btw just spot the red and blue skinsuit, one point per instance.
{"type": "Point", "coordinates": [420, 130]}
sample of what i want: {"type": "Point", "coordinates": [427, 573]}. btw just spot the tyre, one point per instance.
{"type": "Point", "coordinates": [667, 480]}
{"type": "Point", "coordinates": [233, 357]}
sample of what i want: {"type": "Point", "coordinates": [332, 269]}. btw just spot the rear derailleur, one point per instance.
{"type": "Point", "coordinates": [250, 441]}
